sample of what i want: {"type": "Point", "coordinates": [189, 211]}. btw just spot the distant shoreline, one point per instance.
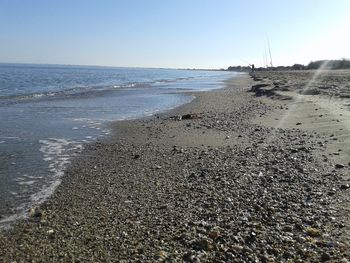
{"type": "Point", "coordinates": [319, 64]}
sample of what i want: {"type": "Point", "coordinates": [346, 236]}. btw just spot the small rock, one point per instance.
{"type": "Point", "coordinates": [298, 123]}
{"type": "Point", "coordinates": [237, 248]}
{"type": "Point", "coordinates": [313, 232]}
{"type": "Point", "coordinates": [214, 234]}
{"type": "Point", "coordinates": [162, 255]}
{"type": "Point", "coordinates": [325, 256]}
{"type": "Point", "coordinates": [35, 212]}
{"type": "Point", "coordinates": [339, 166]}
{"type": "Point", "coordinates": [344, 186]}
{"type": "Point", "coordinates": [188, 257]}
{"type": "Point", "coordinates": [204, 173]}
{"type": "Point", "coordinates": [190, 116]}
{"type": "Point", "coordinates": [203, 244]}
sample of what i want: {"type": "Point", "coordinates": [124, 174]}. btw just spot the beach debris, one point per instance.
{"type": "Point", "coordinates": [176, 117]}
{"type": "Point", "coordinates": [257, 89]}
{"type": "Point", "coordinates": [190, 116]}
{"type": "Point", "coordinates": [35, 212]}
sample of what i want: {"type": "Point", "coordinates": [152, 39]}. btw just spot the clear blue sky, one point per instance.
{"type": "Point", "coordinates": [173, 33]}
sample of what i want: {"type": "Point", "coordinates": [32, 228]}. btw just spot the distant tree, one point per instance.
{"type": "Point", "coordinates": [298, 67]}
{"type": "Point", "coordinates": [330, 64]}
{"type": "Point", "coordinates": [238, 68]}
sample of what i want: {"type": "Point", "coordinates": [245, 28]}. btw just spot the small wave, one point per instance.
{"type": "Point", "coordinates": [58, 153]}
{"type": "Point", "coordinates": [27, 182]}
{"type": "Point", "coordinates": [84, 91]}
{"type": "Point", "coordinates": [67, 93]}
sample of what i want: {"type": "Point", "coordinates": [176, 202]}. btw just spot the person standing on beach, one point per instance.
{"type": "Point", "coordinates": [252, 73]}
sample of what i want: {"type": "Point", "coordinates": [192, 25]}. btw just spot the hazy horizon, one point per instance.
{"type": "Point", "coordinates": [108, 66]}
{"type": "Point", "coordinates": [182, 34]}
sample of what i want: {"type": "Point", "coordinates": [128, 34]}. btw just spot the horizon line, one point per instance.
{"type": "Point", "coordinates": [140, 67]}
{"type": "Point", "coordinates": [100, 66]}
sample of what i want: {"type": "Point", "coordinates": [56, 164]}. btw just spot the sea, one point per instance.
{"type": "Point", "coordinates": [49, 112]}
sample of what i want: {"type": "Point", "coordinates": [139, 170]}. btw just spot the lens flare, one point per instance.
{"type": "Point", "coordinates": [298, 99]}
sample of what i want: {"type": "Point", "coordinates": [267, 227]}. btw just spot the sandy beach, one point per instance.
{"type": "Point", "coordinates": [255, 172]}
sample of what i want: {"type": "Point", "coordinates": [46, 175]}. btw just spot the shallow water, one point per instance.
{"type": "Point", "coordinates": [48, 113]}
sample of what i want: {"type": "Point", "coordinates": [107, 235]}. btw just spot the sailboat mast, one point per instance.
{"type": "Point", "coordinates": [268, 43]}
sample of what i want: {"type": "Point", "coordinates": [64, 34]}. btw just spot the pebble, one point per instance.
{"type": "Point", "coordinates": [339, 166]}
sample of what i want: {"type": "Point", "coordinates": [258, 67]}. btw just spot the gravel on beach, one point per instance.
{"type": "Point", "coordinates": [211, 187]}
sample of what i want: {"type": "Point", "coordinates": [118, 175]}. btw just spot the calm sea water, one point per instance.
{"type": "Point", "coordinates": [48, 113]}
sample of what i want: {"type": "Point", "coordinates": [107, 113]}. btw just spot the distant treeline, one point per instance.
{"type": "Point", "coordinates": [327, 64]}
{"type": "Point", "coordinates": [330, 64]}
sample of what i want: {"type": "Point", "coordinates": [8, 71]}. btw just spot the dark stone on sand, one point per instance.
{"type": "Point", "coordinates": [325, 257]}
{"type": "Point", "coordinates": [202, 244]}
{"type": "Point", "coordinates": [339, 166]}
{"type": "Point", "coordinates": [190, 116]}
{"type": "Point", "coordinates": [313, 91]}
{"type": "Point", "coordinates": [344, 186]}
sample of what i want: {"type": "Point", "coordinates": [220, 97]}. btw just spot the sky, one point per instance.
{"type": "Point", "coordinates": [173, 33]}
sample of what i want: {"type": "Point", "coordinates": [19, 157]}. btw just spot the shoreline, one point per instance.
{"type": "Point", "coordinates": [27, 177]}
{"type": "Point", "coordinates": [204, 188]}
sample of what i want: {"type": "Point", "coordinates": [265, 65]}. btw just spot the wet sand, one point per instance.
{"type": "Point", "coordinates": [229, 183]}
